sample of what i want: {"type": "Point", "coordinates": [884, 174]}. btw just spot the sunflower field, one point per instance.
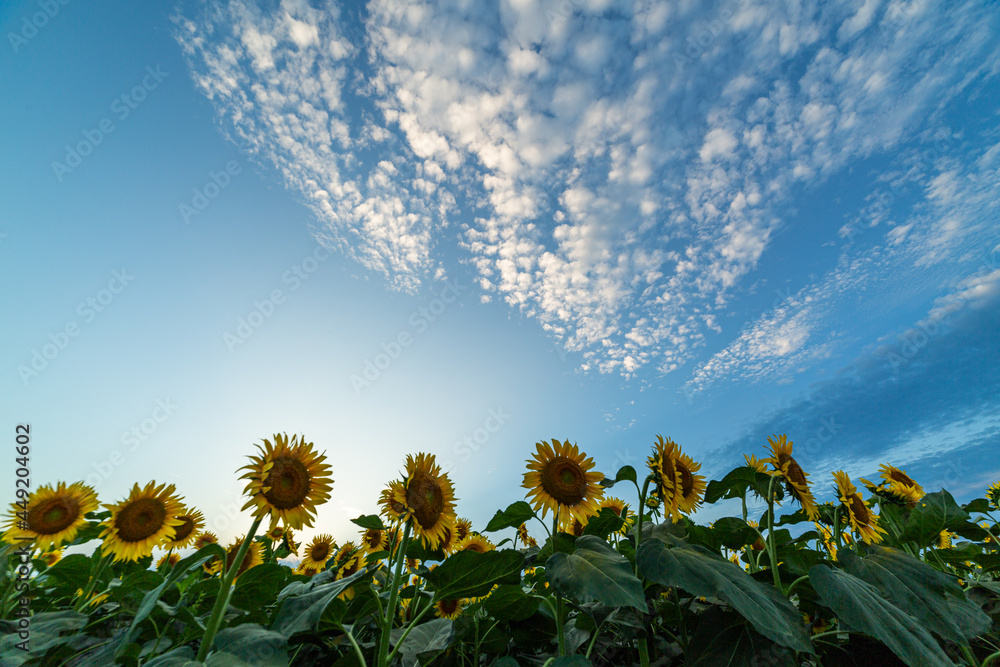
{"type": "Point", "coordinates": [892, 576]}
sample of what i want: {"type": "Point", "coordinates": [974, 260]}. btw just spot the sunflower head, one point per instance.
{"type": "Point", "coordinates": [254, 557]}
{"type": "Point", "coordinates": [899, 484]}
{"type": "Point", "coordinates": [318, 552]}
{"type": "Point", "coordinates": [287, 480]}
{"type": "Point", "coordinates": [352, 565]}
{"type": "Point", "coordinates": [168, 560]}
{"type": "Point", "coordinates": [476, 543]}
{"type": "Point", "coordinates": [674, 478]}
{"type": "Point", "coordinates": [374, 540]}
{"type": "Point", "coordinates": [428, 498]}
{"type": "Point", "coordinates": [392, 508]}
{"type": "Point", "coordinates": [53, 515]}
{"type": "Point", "coordinates": [993, 495]}
{"type": "Point", "coordinates": [276, 534]}
{"type": "Point", "coordinates": [192, 522]}
{"type": "Point", "coordinates": [796, 479]}
{"type": "Point", "coordinates": [945, 539]}
{"type": "Point", "coordinates": [448, 608]}
{"type": "Point", "coordinates": [862, 520]}
{"type": "Point", "coordinates": [205, 538]}
{"type": "Point", "coordinates": [50, 558]}
{"type": "Point", "coordinates": [755, 463]}
{"type": "Point", "coordinates": [146, 519]}
{"type": "Point", "coordinates": [560, 476]}
{"type": "Point", "coordinates": [462, 529]}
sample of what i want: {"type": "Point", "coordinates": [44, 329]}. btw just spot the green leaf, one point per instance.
{"type": "Point", "coordinates": [182, 656]}
{"type": "Point", "coordinates": [46, 629]}
{"type": "Point", "coordinates": [425, 641]}
{"type": "Point", "coordinates": [571, 661]}
{"type": "Point", "coordinates": [734, 533]}
{"type": "Point", "coordinates": [469, 574]}
{"type": "Point", "coordinates": [595, 572]}
{"type": "Point", "coordinates": [510, 603]}
{"type": "Point", "coordinates": [726, 640]}
{"type": "Point", "coordinates": [369, 522]}
{"type": "Point", "coordinates": [259, 586]}
{"type": "Point", "coordinates": [737, 482]}
{"type": "Point", "coordinates": [979, 505]}
{"type": "Point", "coordinates": [701, 573]}
{"type": "Point", "coordinates": [70, 571]}
{"type": "Point", "coordinates": [252, 644]}
{"type": "Point", "coordinates": [512, 517]}
{"type": "Point", "coordinates": [933, 513]}
{"type": "Point", "coordinates": [625, 474]}
{"type": "Point", "coordinates": [300, 612]}
{"type": "Point", "coordinates": [932, 597]}
{"type": "Point", "coordinates": [860, 607]}
{"type": "Point", "coordinates": [604, 524]}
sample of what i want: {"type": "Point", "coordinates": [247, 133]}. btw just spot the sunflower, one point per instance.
{"type": "Point", "coordinates": [993, 495]}
{"type": "Point", "coordinates": [204, 539]}
{"type": "Point", "coordinates": [560, 477]}
{"type": "Point", "coordinates": [448, 542]}
{"type": "Point", "coordinates": [344, 551]}
{"type": "Point", "coordinates": [287, 480]}
{"type": "Point", "coordinates": [653, 503]}
{"type": "Point", "coordinates": [305, 571]}
{"type": "Point", "coordinates": [676, 483]}
{"type": "Point", "coordinates": [276, 534]}
{"type": "Point", "coordinates": [463, 527]}
{"type": "Point", "coordinates": [526, 539]}
{"type": "Point", "coordinates": [50, 558]}
{"type": "Point", "coordinates": [861, 518]}
{"type": "Point", "coordinates": [252, 559]}
{"type": "Point", "coordinates": [827, 537]}
{"type": "Point", "coordinates": [451, 609]}
{"type": "Point", "coordinates": [374, 540]}
{"type": "Point", "coordinates": [392, 509]}
{"type": "Point", "coordinates": [184, 534]}
{"type": "Point", "coordinates": [619, 507]}
{"type": "Point", "coordinates": [758, 544]}
{"type": "Point", "coordinates": [351, 565]}
{"type": "Point", "coordinates": [318, 552]}
{"type": "Point", "coordinates": [428, 498]}
{"type": "Point", "coordinates": [144, 520]}
{"type": "Point", "coordinates": [900, 484]}
{"type": "Point", "coordinates": [944, 539]}
{"type": "Point", "coordinates": [290, 543]}
{"type": "Point", "coordinates": [755, 463]}
{"type": "Point", "coordinates": [796, 479]}
{"type": "Point", "coordinates": [169, 559]}
{"type": "Point", "coordinates": [52, 516]}
{"type": "Point", "coordinates": [476, 543]}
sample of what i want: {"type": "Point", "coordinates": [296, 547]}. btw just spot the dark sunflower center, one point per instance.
{"type": "Point", "coordinates": [425, 497]}
{"type": "Point", "coordinates": [53, 515]}
{"type": "Point", "coordinates": [183, 531]}
{"type": "Point", "coordinates": [687, 481]}
{"type": "Point", "coordinates": [478, 548]}
{"type": "Point", "coordinates": [900, 476]}
{"type": "Point", "coordinates": [289, 482]}
{"type": "Point", "coordinates": [462, 531]}
{"type": "Point", "coordinates": [564, 480]}
{"type": "Point", "coordinates": [231, 558]}
{"type": "Point", "coordinates": [351, 567]}
{"type": "Point", "coordinates": [373, 537]}
{"type": "Point", "coordinates": [320, 551]}
{"type": "Point", "coordinates": [795, 474]}
{"type": "Point", "coordinates": [140, 519]}
{"type": "Point", "coordinates": [860, 510]}
{"type": "Point", "coordinates": [449, 606]}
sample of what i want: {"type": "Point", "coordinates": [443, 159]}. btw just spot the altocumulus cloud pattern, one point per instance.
{"type": "Point", "coordinates": [617, 170]}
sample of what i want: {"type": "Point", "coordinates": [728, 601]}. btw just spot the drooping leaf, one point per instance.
{"type": "Point", "coordinates": [512, 517]}
{"type": "Point", "coordinates": [425, 641]}
{"type": "Point", "coordinates": [932, 597]}
{"type": "Point", "coordinates": [595, 572]}
{"type": "Point", "coordinates": [471, 574]}
{"type": "Point", "coordinates": [933, 513]}
{"type": "Point", "coordinates": [369, 522]}
{"type": "Point", "coordinates": [604, 524]}
{"type": "Point", "coordinates": [860, 607]}
{"type": "Point", "coordinates": [299, 613]}
{"type": "Point", "coordinates": [253, 645]}
{"type": "Point", "coordinates": [702, 573]}
{"type": "Point", "coordinates": [726, 640]}
{"type": "Point", "coordinates": [510, 603]}
{"type": "Point", "coordinates": [737, 482]}
{"type": "Point", "coordinates": [625, 474]}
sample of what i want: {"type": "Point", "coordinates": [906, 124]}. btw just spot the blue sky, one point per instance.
{"type": "Point", "coordinates": [587, 220]}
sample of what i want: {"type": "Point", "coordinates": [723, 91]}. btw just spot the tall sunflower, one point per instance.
{"type": "Point", "coordinates": [861, 518]}
{"type": "Point", "coordinates": [753, 462]}
{"type": "Point", "coordinates": [674, 478]}
{"type": "Point", "coordinates": [318, 552]}
{"type": "Point", "coordinates": [144, 520]}
{"type": "Point", "coordinates": [900, 484]}
{"type": "Point", "coordinates": [374, 540]}
{"type": "Point", "coordinates": [993, 495]}
{"type": "Point", "coordinates": [53, 515]}
{"type": "Point", "coordinates": [796, 479]}
{"type": "Point", "coordinates": [185, 534]}
{"type": "Point", "coordinates": [463, 527]}
{"type": "Point", "coordinates": [287, 480]}
{"type": "Point", "coordinates": [254, 557]}
{"type": "Point", "coordinates": [429, 499]}
{"type": "Point", "coordinates": [392, 509]}
{"type": "Point", "coordinates": [560, 477]}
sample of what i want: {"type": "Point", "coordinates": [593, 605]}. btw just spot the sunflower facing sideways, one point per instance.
{"type": "Point", "coordinates": [53, 515]}
{"type": "Point", "coordinates": [254, 557]}
{"type": "Point", "coordinates": [674, 478]}
{"type": "Point", "coordinates": [287, 480]}
{"type": "Point", "coordinates": [861, 518]}
{"type": "Point", "coordinates": [144, 520]}
{"type": "Point", "coordinates": [185, 534]}
{"type": "Point", "coordinates": [428, 498]}
{"type": "Point", "coordinates": [318, 552]}
{"type": "Point", "coordinates": [476, 543]}
{"type": "Point", "coordinates": [374, 540]}
{"type": "Point", "coordinates": [993, 495]}
{"type": "Point", "coordinates": [796, 479]}
{"type": "Point", "coordinates": [560, 478]}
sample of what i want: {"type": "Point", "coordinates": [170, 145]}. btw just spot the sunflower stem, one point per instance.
{"type": "Point", "coordinates": [98, 571]}
{"type": "Point", "coordinates": [836, 527]}
{"type": "Point", "coordinates": [638, 523]}
{"type": "Point", "coordinates": [390, 609]}
{"type": "Point", "coordinates": [643, 652]}
{"type": "Point", "coordinates": [772, 549]}
{"type": "Point", "coordinates": [406, 632]}
{"type": "Point", "coordinates": [225, 591]}
{"type": "Point", "coordinates": [559, 605]}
